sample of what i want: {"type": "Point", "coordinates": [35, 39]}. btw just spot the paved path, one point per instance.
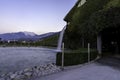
{"type": "Point", "coordinates": [93, 71]}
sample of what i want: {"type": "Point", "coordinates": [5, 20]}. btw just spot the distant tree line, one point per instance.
{"type": "Point", "coordinates": [50, 41]}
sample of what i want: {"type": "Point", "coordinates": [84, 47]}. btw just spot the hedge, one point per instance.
{"type": "Point", "coordinates": [74, 58]}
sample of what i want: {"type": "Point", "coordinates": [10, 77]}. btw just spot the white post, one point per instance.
{"type": "Point", "coordinates": [62, 55]}
{"type": "Point", "coordinates": [88, 52]}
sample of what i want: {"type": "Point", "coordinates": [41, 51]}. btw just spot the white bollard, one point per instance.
{"type": "Point", "coordinates": [88, 52]}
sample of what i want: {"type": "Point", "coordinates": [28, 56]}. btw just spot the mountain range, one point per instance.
{"type": "Point", "coordinates": [26, 36]}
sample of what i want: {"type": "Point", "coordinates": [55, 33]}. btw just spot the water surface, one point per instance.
{"type": "Point", "coordinates": [18, 58]}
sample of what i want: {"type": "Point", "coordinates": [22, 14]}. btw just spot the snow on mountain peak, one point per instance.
{"type": "Point", "coordinates": [29, 33]}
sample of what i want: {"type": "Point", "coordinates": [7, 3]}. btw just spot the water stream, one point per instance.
{"type": "Point", "coordinates": [60, 40]}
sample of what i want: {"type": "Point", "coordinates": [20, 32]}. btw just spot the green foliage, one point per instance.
{"type": "Point", "coordinates": [70, 38]}
{"type": "Point", "coordinates": [104, 19]}
{"type": "Point", "coordinates": [113, 3]}
{"type": "Point", "coordinates": [51, 41]}
{"type": "Point", "coordinates": [75, 57]}
{"type": "Point", "coordinates": [68, 17]}
{"type": "Point", "coordinates": [90, 19]}
{"type": "Point", "coordinates": [84, 12]}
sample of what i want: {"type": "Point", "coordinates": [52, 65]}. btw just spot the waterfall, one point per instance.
{"type": "Point", "coordinates": [60, 39]}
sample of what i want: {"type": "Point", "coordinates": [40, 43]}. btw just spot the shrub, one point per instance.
{"type": "Point", "coordinates": [75, 57]}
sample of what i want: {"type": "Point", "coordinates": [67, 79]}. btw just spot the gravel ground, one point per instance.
{"type": "Point", "coordinates": [31, 72]}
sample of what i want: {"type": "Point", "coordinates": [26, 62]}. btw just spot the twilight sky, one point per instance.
{"type": "Point", "coordinates": [39, 16]}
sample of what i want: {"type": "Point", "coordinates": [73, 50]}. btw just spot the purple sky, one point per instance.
{"type": "Point", "coordinates": [39, 16]}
